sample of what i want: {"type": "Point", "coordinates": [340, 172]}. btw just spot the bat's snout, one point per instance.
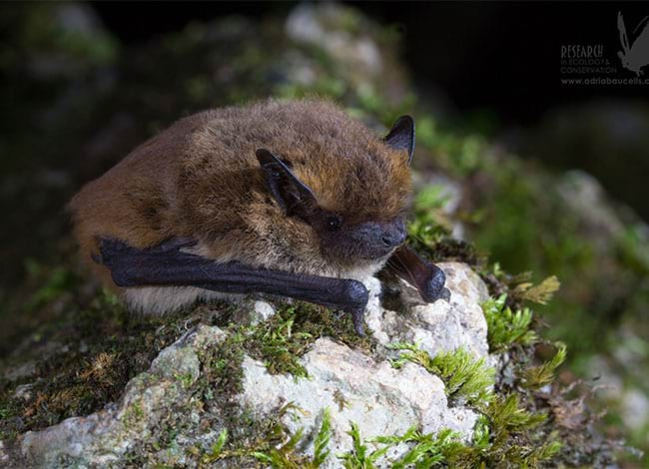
{"type": "Point", "coordinates": [394, 235]}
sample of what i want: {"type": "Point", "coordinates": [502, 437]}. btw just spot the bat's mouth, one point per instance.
{"type": "Point", "coordinates": [365, 242]}
{"type": "Point", "coordinates": [377, 253]}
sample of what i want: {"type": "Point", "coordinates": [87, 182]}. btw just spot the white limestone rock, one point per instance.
{"type": "Point", "coordinates": [380, 399]}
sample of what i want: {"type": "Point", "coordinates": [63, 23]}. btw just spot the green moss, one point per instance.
{"type": "Point", "coordinates": [274, 445]}
{"type": "Point", "coordinates": [360, 456]}
{"type": "Point", "coordinates": [427, 450]}
{"type": "Point", "coordinates": [279, 346]}
{"type": "Point", "coordinates": [459, 154]}
{"type": "Point", "coordinates": [217, 448]}
{"type": "Point", "coordinates": [53, 282]}
{"type": "Point", "coordinates": [288, 335]}
{"type": "Point", "coordinates": [540, 294]}
{"type": "Point", "coordinates": [133, 414]}
{"type": "Point", "coordinates": [536, 377]}
{"type": "Point", "coordinates": [185, 380]}
{"type": "Point", "coordinates": [505, 327]}
{"type": "Point", "coordinates": [429, 225]}
{"type": "Point", "coordinates": [221, 366]}
{"type": "Point", "coordinates": [501, 439]}
{"type": "Point", "coordinates": [466, 379]}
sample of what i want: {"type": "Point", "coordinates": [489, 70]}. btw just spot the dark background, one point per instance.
{"type": "Point", "coordinates": [495, 58]}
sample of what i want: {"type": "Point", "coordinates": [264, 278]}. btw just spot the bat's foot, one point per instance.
{"type": "Point", "coordinates": [431, 287]}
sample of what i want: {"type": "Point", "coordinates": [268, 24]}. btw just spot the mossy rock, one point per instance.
{"type": "Point", "coordinates": [76, 349]}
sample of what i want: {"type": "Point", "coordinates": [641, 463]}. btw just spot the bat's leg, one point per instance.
{"type": "Point", "coordinates": [167, 265]}
{"type": "Point", "coordinates": [425, 276]}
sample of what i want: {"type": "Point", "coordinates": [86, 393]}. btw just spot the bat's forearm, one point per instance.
{"type": "Point", "coordinates": [167, 267]}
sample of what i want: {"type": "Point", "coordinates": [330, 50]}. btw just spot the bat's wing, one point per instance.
{"type": "Point", "coordinates": [168, 265]}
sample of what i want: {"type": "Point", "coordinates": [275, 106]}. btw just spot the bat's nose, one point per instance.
{"type": "Point", "coordinates": [394, 235]}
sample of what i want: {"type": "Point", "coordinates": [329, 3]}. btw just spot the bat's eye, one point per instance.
{"type": "Point", "coordinates": [333, 222]}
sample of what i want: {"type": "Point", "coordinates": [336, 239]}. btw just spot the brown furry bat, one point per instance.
{"type": "Point", "coordinates": [292, 199]}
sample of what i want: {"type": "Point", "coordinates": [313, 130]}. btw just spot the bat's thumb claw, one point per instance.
{"type": "Point", "coordinates": [357, 319]}
{"type": "Point", "coordinates": [360, 329]}
{"type": "Point", "coordinates": [107, 248]}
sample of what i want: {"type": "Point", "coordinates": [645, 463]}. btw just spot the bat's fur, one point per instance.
{"type": "Point", "coordinates": [200, 179]}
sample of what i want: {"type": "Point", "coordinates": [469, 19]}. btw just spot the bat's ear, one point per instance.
{"type": "Point", "coordinates": [402, 135]}
{"type": "Point", "coordinates": [289, 192]}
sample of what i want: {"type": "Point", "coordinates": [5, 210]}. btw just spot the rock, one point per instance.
{"type": "Point", "coordinates": [24, 391]}
{"type": "Point", "coordinates": [440, 325]}
{"type": "Point", "coordinates": [22, 371]}
{"type": "Point", "coordinates": [318, 25]}
{"type": "Point", "coordinates": [586, 197]}
{"type": "Point", "coordinates": [259, 312]}
{"type": "Point", "coordinates": [355, 386]}
{"type": "Point", "coordinates": [635, 409]}
{"type": "Point", "coordinates": [351, 42]}
{"type": "Point", "coordinates": [105, 436]}
{"type": "Point", "coordinates": [377, 397]}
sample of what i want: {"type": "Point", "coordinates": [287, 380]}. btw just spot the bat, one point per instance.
{"type": "Point", "coordinates": [292, 199]}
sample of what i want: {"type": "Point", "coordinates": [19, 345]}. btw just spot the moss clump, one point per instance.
{"type": "Point", "coordinates": [276, 446]}
{"type": "Point", "coordinates": [427, 450]}
{"type": "Point", "coordinates": [505, 433]}
{"type": "Point", "coordinates": [282, 340]}
{"type": "Point", "coordinates": [535, 377]}
{"type": "Point", "coordinates": [221, 365]}
{"type": "Point", "coordinates": [360, 456]}
{"type": "Point", "coordinates": [496, 442]}
{"type": "Point", "coordinates": [279, 346]}
{"type": "Point", "coordinates": [466, 379]}
{"type": "Point", "coordinates": [505, 327]}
